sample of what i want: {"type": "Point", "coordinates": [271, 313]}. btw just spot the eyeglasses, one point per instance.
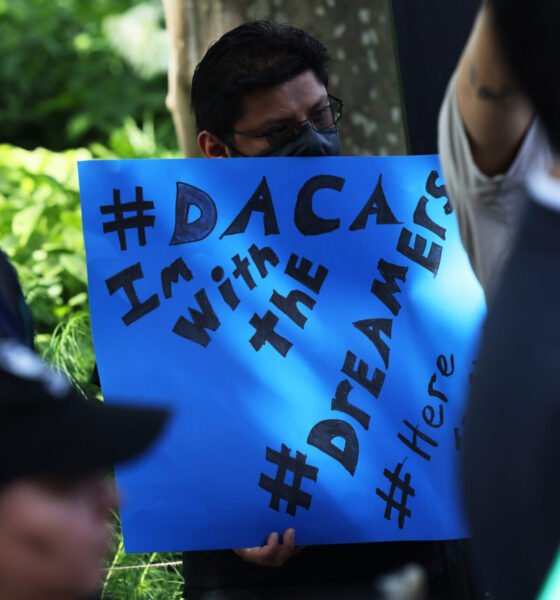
{"type": "Point", "coordinates": [320, 119]}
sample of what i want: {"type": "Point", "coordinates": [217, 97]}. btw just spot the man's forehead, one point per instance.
{"type": "Point", "coordinates": [292, 99]}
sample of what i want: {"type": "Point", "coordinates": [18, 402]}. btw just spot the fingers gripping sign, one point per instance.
{"type": "Point", "coordinates": [274, 553]}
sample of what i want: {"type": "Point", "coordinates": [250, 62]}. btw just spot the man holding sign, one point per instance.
{"type": "Point", "coordinates": [311, 319]}
{"type": "Point", "coordinates": [261, 90]}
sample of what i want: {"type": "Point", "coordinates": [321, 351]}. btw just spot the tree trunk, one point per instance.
{"type": "Point", "coordinates": [192, 25]}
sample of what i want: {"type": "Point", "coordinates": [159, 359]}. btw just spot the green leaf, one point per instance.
{"type": "Point", "coordinates": [75, 265]}
{"type": "Point", "coordinates": [25, 222]}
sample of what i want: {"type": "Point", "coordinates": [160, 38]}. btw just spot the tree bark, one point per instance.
{"type": "Point", "coordinates": [178, 81]}
{"type": "Point", "coordinates": [192, 25]}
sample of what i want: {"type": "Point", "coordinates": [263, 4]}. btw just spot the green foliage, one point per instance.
{"type": "Point", "coordinates": [132, 141]}
{"type": "Point", "coordinates": [63, 85]}
{"type": "Point", "coordinates": [136, 576]}
{"type": "Point", "coordinates": [41, 231]}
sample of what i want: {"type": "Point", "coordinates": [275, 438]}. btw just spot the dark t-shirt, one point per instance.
{"type": "Point", "coordinates": [15, 318]}
{"type": "Point", "coordinates": [338, 564]}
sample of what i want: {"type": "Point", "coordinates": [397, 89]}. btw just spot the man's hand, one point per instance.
{"type": "Point", "coordinates": [272, 554]}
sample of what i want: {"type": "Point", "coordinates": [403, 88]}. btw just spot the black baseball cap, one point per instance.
{"type": "Point", "coordinates": [47, 428]}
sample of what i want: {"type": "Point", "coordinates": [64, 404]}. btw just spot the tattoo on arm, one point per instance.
{"type": "Point", "coordinates": [486, 92]}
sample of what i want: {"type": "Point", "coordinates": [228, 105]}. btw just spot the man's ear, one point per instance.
{"type": "Point", "coordinates": [211, 146]}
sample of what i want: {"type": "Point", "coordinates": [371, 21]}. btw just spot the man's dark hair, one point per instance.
{"type": "Point", "coordinates": [252, 56]}
{"type": "Point", "coordinates": [529, 32]}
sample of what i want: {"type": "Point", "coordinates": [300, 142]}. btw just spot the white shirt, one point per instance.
{"type": "Point", "coordinates": [544, 188]}
{"type": "Point", "coordinates": [488, 208]}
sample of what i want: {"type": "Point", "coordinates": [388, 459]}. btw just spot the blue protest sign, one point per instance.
{"type": "Point", "coordinates": [312, 322]}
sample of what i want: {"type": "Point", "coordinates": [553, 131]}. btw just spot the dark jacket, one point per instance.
{"type": "Point", "coordinates": [15, 318]}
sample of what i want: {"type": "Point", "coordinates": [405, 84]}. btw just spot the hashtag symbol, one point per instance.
{"type": "Point", "coordinates": [401, 485]}
{"type": "Point", "coordinates": [279, 489]}
{"type": "Point", "coordinates": [121, 223]}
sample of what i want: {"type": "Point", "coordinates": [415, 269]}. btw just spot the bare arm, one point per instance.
{"type": "Point", "coordinates": [495, 112]}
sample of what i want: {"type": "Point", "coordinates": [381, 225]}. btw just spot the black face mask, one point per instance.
{"type": "Point", "coordinates": [308, 143]}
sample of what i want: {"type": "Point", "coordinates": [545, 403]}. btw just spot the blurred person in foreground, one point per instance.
{"type": "Point", "coordinates": [502, 166]}
{"type": "Point", "coordinates": [55, 501]}
{"type": "Point", "coordinates": [262, 91]}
